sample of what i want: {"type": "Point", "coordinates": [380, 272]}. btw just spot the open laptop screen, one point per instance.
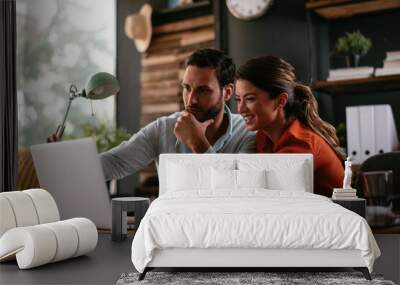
{"type": "Point", "coordinates": [71, 171]}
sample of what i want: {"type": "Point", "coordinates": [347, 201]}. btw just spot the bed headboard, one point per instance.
{"type": "Point", "coordinates": [294, 168]}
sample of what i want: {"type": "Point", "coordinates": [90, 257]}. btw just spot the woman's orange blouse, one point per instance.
{"type": "Point", "coordinates": [297, 138]}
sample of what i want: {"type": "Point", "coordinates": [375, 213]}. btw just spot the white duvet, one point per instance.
{"type": "Point", "coordinates": [255, 218]}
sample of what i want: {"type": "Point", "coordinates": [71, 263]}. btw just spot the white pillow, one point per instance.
{"type": "Point", "coordinates": [293, 179]}
{"type": "Point", "coordinates": [285, 174]}
{"type": "Point", "coordinates": [223, 179]}
{"type": "Point", "coordinates": [251, 179]}
{"type": "Point", "coordinates": [188, 175]}
{"type": "Point", "coordinates": [184, 177]}
{"type": "Point", "coordinates": [237, 179]}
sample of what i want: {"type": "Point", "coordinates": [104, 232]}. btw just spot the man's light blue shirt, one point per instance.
{"type": "Point", "coordinates": [158, 137]}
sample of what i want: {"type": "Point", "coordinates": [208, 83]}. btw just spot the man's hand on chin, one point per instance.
{"type": "Point", "coordinates": [192, 133]}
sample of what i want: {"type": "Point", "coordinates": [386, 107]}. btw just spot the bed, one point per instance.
{"type": "Point", "coordinates": [247, 210]}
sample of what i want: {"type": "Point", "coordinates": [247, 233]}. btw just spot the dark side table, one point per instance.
{"type": "Point", "coordinates": [120, 207]}
{"type": "Point", "coordinates": [357, 205]}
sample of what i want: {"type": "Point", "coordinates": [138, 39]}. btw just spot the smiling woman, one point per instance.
{"type": "Point", "coordinates": [56, 48]}
{"type": "Point", "coordinates": [285, 115]}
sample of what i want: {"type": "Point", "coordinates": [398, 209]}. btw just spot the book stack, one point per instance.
{"type": "Point", "coordinates": [350, 73]}
{"type": "Point", "coordinates": [162, 69]}
{"type": "Point", "coordinates": [344, 194]}
{"type": "Point", "coordinates": [391, 64]}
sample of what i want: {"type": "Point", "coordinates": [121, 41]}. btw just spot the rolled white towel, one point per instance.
{"type": "Point", "coordinates": [41, 244]}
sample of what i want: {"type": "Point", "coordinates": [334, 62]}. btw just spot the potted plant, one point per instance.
{"type": "Point", "coordinates": [353, 45]}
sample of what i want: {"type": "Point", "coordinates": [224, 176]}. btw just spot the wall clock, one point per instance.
{"type": "Point", "coordinates": [248, 9]}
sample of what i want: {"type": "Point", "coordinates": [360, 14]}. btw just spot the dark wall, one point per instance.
{"type": "Point", "coordinates": [128, 65]}
{"type": "Point", "coordinates": [128, 72]}
{"type": "Point", "coordinates": [128, 68]}
{"type": "Point", "coordinates": [282, 31]}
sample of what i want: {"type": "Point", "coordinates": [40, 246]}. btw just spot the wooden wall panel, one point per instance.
{"type": "Point", "coordinates": [162, 69]}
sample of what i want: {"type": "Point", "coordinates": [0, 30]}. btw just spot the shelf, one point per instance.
{"type": "Point", "coordinates": [357, 86]}
{"type": "Point", "coordinates": [168, 15]}
{"type": "Point", "coordinates": [333, 9]}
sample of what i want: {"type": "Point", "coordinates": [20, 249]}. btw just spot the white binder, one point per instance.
{"type": "Point", "coordinates": [353, 134]}
{"type": "Point", "coordinates": [367, 131]}
{"type": "Point", "coordinates": [386, 138]}
{"type": "Point", "coordinates": [370, 130]}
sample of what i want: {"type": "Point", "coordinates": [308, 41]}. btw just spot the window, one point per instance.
{"type": "Point", "coordinates": [59, 43]}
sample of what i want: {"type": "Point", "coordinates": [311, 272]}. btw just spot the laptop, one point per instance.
{"type": "Point", "coordinates": [71, 171]}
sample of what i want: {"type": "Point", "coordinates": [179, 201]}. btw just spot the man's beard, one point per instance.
{"type": "Point", "coordinates": [211, 113]}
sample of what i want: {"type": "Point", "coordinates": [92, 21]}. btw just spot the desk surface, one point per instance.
{"type": "Point", "coordinates": [102, 266]}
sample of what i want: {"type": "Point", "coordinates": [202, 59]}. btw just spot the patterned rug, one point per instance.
{"type": "Point", "coordinates": [243, 278]}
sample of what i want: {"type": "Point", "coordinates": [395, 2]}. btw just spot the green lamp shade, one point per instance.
{"type": "Point", "coordinates": [101, 85]}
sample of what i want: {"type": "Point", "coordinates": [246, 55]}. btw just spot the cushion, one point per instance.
{"type": "Point", "coordinates": [237, 179]}
{"type": "Point", "coordinates": [251, 179]}
{"type": "Point", "coordinates": [7, 218]}
{"type": "Point", "coordinates": [291, 175]}
{"type": "Point", "coordinates": [26, 208]}
{"type": "Point", "coordinates": [87, 233]}
{"type": "Point", "coordinates": [284, 171]}
{"type": "Point", "coordinates": [223, 179]}
{"type": "Point", "coordinates": [23, 208]}
{"type": "Point", "coordinates": [67, 238]}
{"type": "Point", "coordinates": [45, 243]}
{"type": "Point", "coordinates": [45, 205]}
{"type": "Point", "coordinates": [183, 177]}
{"type": "Point", "coordinates": [293, 180]}
{"type": "Point", "coordinates": [187, 175]}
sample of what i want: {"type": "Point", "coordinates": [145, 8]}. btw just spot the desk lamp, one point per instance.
{"type": "Point", "coordinates": [99, 86]}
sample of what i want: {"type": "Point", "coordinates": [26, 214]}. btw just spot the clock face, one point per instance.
{"type": "Point", "coordinates": [248, 9]}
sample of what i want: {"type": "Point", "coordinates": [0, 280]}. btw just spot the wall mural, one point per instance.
{"type": "Point", "coordinates": [60, 42]}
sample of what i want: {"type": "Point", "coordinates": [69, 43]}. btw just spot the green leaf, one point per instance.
{"type": "Point", "coordinates": [106, 137]}
{"type": "Point", "coordinates": [353, 43]}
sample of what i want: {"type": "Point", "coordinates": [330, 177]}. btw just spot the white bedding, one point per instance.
{"type": "Point", "coordinates": [252, 218]}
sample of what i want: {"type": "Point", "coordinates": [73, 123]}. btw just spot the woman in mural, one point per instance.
{"type": "Point", "coordinates": [285, 115]}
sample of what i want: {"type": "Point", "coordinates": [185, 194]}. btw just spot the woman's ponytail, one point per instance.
{"type": "Point", "coordinates": [310, 117]}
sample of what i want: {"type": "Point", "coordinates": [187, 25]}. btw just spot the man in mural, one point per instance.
{"type": "Point", "coordinates": [206, 125]}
